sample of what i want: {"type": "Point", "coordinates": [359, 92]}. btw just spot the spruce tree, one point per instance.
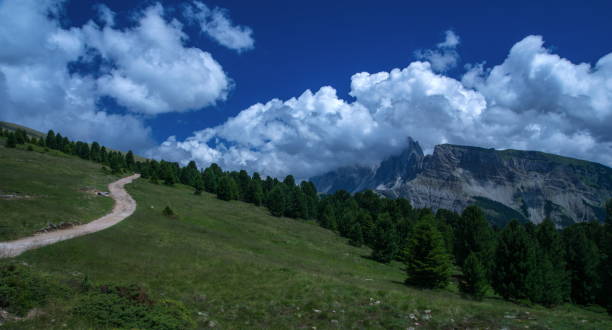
{"type": "Point", "coordinates": [11, 141]}
{"type": "Point", "coordinates": [129, 160]}
{"type": "Point", "coordinates": [50, 142]}
{"type": "Point", "coordinates": [277, 201]}
{"type": "Point", "coordinates": [227, 190]}
{"type": "Point", "coordinates": [355, 235]}
{"type": "Point", "coordinates": [428, 264]}
{"type": "Point", "coordinates": [474, 234]}
{"type": "Point", "coordinates": [327, 219]}
{"type": "Point", "coordinates": [554, 281]}
{"type": "Point", "coordinates": [210, 180]}
{"type": "Point", "coordinates": [514, 275]}
{"type": "Point", "coordinates": [385, 246]}
{"type": "Point", "coordinates": [254, 192]}
{"type": "Point", "coordinates": [474, 282]}
{"type": "Point", "coordinates": [583, 260]}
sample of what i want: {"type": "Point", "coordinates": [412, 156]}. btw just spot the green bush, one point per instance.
{"type": "Point", "coordinates": [131, 307]}
{"type": "Point", "coordinates": [168, 212]}
{"type": "Point", "coordinates": [21, 289]}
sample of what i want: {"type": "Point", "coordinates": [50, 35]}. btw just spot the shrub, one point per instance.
{"type": "Point", "coordinates": [131, 307]}
{"type": "Point", "coordinates": [168, 212]}
{"type": "Point", "coordinates": [21, 289]}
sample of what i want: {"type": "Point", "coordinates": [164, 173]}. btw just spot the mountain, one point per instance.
{"type": "Point", "coordinates": [507, 184]}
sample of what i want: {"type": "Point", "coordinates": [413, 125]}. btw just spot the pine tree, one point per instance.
{"type": "Point", "coordinates": [474, 234]}
{"type": "Point", "coordinates": [289, 181]}
{"type": "Point", "coordinates": [327, 219]}
{"type": "Point", "coordinates": [355, 235]}
{"type": "Point", "coordinates": [210, 180]}
{"type": "Point", "coordinates": [129, 160]}
{"type": "Point", "coordinates": [11, 141]}
{"type": "Point", "coordinates": [428, 264]}
{"type": "Point", "coordinates": [254, 192]}
{"type": "Point", "coordinates": [551, 265]}
{"type": "Point", "coordinates": [385, 246]}
{"type": "Point", "coordinates": [199, 186]}
{"type": "Point", "coordinates": [474, 281]}
{"type": "Point", "coordinates": [228, 189]}
{"type": "Point", "coordinates": [514, 273]}
{"type": "Point", "coordinates": [277, 201]}
{"type": "Point", "coordinates": [50, 142]}
{"type": "Point", "coordinates": [583, 260]}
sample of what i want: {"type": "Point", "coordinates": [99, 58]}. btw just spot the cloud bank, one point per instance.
{"type": "Point", "coordinates": [534, 100]}
{"type": "Point", "coordinates": [145, 67]}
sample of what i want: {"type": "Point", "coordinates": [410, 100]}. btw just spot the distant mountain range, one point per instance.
{"type": "Point", "coordinates": [507, 184]}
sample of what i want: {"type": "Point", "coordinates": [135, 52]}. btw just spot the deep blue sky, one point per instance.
{"type": "Point", "coordinates": [301, 46]}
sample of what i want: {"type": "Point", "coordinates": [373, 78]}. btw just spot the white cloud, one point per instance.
{"type": "Point", "coordinates": [444, 57]}
{"type": "Point", "coordinates": [217, 24]}
{"type": "Point", "coordinates": [37, 89]}
{"type": "Point", "coordinates": [152, 72]}
{"type": "Point", "coordinates": [534, 100]}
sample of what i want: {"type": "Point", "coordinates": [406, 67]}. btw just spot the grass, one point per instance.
{"type": "Point", "coordinates": [50, 189]}
{"type": "Point", "coordinates": [235, 266]}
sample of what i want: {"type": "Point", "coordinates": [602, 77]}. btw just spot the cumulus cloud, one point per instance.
{"type": "Point", "coordinates": [36, 87]}
{"type": "Point", "coordinates": [444, 57]}
{"type": "Point", "coordinates": [145, 67]}
{"type": "Point", "coordinates": [150, 69]}
{"type": "Point", "coordinates": [217, 24]}
{"type": "Point", "coordinates": [534, 100]}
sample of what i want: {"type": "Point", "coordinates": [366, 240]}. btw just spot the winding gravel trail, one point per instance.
{"type": "Point", "coordinates": [124, 207]}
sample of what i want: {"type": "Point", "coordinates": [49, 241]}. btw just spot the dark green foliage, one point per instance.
{"type": "Point", "coordinates": [129, 160]}
{"type": "Point", "coordinates": [553, 278]}
{"type": "Point", "coordinates": [583, 260]}
{"type": "Point", "coordinates": [21, 289]}
{"type": "Point", "coordinates": [21, 136]}
{"type": "Point", "coordinates": [474, 234]}
{"type": "Point", "coordinates": [210, 180]}
{"type": "Point", "coordinates": [50, 141]}
{"type": "Point", "coordinates": [167, 211]}
{"type": "Point", "coordinates": [428, 264]}
{"type": "Point", "coordinates": [355, 235]}
{"type": "Point", "coordinates": [609, 212]}
{"type": "Point", "coordinates": [385, 246]}
{"type": "Point", "coordinates": [289, 181]}
{"type": "Point", "coordinates": [228, 189]}
{"type": "Point", "coordinates": [474, 282]}
{"type": "Point", "coordinates": [515, 269]}
{"type": "Point", "coordinates": [199, 186]}
{"type": "Point", "coordinates": [11, 141]}
{"type": "Point", "coordinates": [254, 193]}
{"type": "Point", "coordinates": [277, 201]}
{"type": "Point", "coordinates": [130, 307]}
{"type": "Point", "coordinates": [327, 219]}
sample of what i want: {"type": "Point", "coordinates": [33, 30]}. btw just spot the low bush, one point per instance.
{"type": "Point", "coordinates": [21, 289]}
{"type": "Point", "coordinates": [131, 307]}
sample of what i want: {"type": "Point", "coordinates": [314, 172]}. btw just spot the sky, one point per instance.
{"type": "Point", "coordinates": [282, 87]}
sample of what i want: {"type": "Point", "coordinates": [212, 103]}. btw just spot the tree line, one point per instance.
{"type": "Point", "coordinates": [519, 262]}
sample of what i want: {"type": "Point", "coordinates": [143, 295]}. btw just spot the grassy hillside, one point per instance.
{"type": "Point", "coordinates": [234, 266]}
{"type": "Point", "coordinates": [47, 187]}
{"type": "Point", "coordinates": [13, 127]}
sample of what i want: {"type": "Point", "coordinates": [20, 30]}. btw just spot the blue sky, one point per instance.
{"type": "Point", "coordinates": [296, 47]}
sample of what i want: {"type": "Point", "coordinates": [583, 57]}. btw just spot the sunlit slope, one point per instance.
{"type": "Point", "coordinates": [39, 187]}
{"type": "Point", "coordinates": [234, 266]}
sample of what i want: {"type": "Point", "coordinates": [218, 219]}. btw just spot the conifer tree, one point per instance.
{"type": "Point", "coordinates": [583, 260]}
{"type": "Point", "coordinates": [289, 181]}
{"type": "Point", "coordinates": [514, 274]}
{"type": "Point", "coordinates": [129, 160]}
{"type": "Point", "coordinates": [474, 281]}
{"type": "Point", "coordinates": [474, 234]}
{"type": "Point", "coordinates": [255, 192]}
{"type": "Point", "coordinates": [428, 264]}
{"type": "Point", "coordinates": [385, 246]}
{"type": "Point", "coordinates": [210, 180]}
{"type": "Point", "coordinates": [327, 219]}
{"type": "Point", "coordinates": [276, 201]}
{"type": "Point", "coordinates": [199, 186]}
{"type": "Point", "coordinates": [11, 141]}
{"type": "Point", "coordinates": [355, 235]}
{"type": "Point", "coordinates": [551, 265]}
{"type": "Point", "coordinates": [50, 142]}
{"type": "Point", "coordinates": [227, 190]}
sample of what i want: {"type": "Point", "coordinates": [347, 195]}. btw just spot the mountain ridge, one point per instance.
{"type": "Point", "coordinates": [505, 183]}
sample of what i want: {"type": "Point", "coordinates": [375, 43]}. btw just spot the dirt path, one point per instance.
{"type": "Point", "coordinates": [124, 207]}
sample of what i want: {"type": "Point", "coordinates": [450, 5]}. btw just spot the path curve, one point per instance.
{"type": "Point", "coordinates": [124, 207]}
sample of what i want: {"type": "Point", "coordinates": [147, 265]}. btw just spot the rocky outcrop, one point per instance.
{"type": "Point", "coordinates": [526, 185]}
